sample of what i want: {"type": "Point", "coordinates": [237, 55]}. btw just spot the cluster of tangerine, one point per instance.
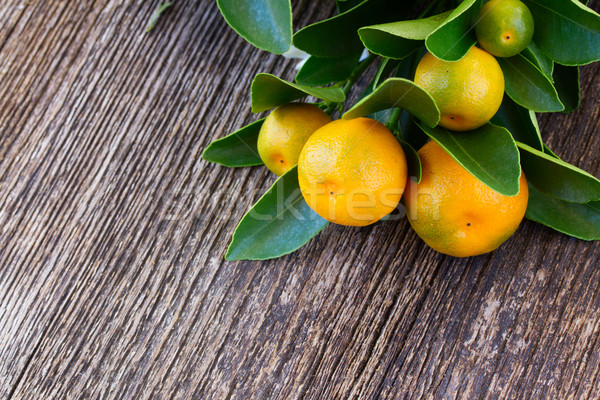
{"type": "Point", "coordinates": [354, 172]}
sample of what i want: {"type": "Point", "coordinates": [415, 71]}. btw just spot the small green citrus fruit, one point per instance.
{"type": "Point", "coordinates": [504, 28]}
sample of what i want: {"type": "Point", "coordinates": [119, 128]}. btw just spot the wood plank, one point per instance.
{"type": "Point", "coordinates": [112, 278]}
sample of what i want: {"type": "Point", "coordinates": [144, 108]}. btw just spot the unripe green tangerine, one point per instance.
{"type": "Point", "coordinates": [504, 28]}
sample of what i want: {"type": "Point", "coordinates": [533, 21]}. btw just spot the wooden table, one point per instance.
{"type": "Point", "coordinates": [113, 231]}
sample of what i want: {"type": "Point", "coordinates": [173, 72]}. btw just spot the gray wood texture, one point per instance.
{"type": "Point", "coordinates": [113, 232]}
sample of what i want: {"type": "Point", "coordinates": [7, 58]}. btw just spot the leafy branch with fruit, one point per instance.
{"type": "Point", "coordinates": [459, 82]}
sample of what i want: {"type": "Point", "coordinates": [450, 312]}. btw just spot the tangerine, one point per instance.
{"type": "Point", "coordinates": [456, 214]}
{"type": "Point", "coordinates": [468, 92]}
{"type": "Point", "coordinates": [352, 172]}
{"type": "Point", "coordinates": [284, 132]}
{"type": "Point", "coordinates": [504, 28]}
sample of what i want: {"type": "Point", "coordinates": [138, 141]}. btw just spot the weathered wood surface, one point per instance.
{"type": "Point", "coordinates": [113, 231]}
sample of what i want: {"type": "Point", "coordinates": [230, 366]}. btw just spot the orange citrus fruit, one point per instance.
{"type": "Point", "coordinates": [468, 92]}
{"type": "Point", "coordinates": [352, 172]}
{"type": "Point", "coordinates": [284, 132]}
{"type": "Point", "coordinates": [504, 28]}
{"type": "Point", "coordinates": [455, 213]}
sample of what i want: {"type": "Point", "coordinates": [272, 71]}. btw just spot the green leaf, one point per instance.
{"type": "Point", "coordinates": [411, 133]}
{"type": "Point", "coordinates": [398, 92]}
{"type": "Point", "coordinates": [528, 86]}
{"type": "Point", "coordinates": [489, 153]}
{"type": "Point", "coordinates": [382, 116]}
{"type": "Point", "coordinates": [407, 66]}
{"type": "Point", "coordinates": [455, 36]}
{"type": "Point", "coordinates": [279, 223]}
{"type": "Point", "coordinates": [566, 81]}
{"type": "Point", "coordinates": [158, 11]}
{"type": "Point", "coordinates": [345, 5]}
{"type": "Point", "coordinates": [268, 91]}
{"type": "Point", "coordinates": [556, 178]}
{"type": "Point", "coordinates": [520, 122]}
{"type": "Point", "coordinates": [412, 160]}
{"type": "Point", "coordinates": [595, 205]}
{"type": "Point", "coordinates": [566, 30]}
{"type": "Point", "coordinates": [579, 220]}
{"type": "Point", "coordinates": [385, 69]}
{"type": "Point", "coordinates": [337, 36]}
{"type": "Point", "coordinates": [237, 149]}
{"type": "Point", "coordinates": [398, 39]}
{"type": "Point", "coordinates": [318, 71]}
{"type": "Point", "coordinates": [549, 152]}
{"type": "Point", "coordinates": [539, 59]}
{"type": "Point", "coordinates": [267, 24]}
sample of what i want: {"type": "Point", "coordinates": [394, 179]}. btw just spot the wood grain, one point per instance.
{"type": "Point", "coordinates": [113, 231]}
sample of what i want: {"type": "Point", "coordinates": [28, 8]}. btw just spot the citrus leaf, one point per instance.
{"type": "Point", "coordinates": [399, 39]}
{"type": "Point", "coordinates": [528, 86]}
{"type": "Point", "coordinates": [540, 60]}
{"type": "Point", "coordinates": [237, 149]}
{"type": "Point", "coordinates": [382, 115]}
{"type": "Point", "coordinates": [578, 220]}
{"type": "Point", "coordinates": [158, 12]}
{"type": "Point", "coordinates": [566, 30]}
{"type": "Point", "coordinates": [412, 160]}
{"type": "Point", "coordinates": [595, 205]}
{"type": "Point", "coordinates": [407, 66]}
{"type": "Point", "coordinates": [411, 133]}
{"type": "Point", "coordinates": [549, 152]}
{"type": "Point", "coordinates": [267, 24]}
{"type": "Point", "coordinates": [385, 69]}
{"type": "Point", "coordinates": [489, 153]}
{"type": "Point", "coordinates": [268, 91]}
{"type": "Point", "coordinates": [402, 68]}
{"type": "Point", "coordinates": [337, 36]}
{"type": "Point", "coordinates": [566, 81]}
{"type": "Point", "coordinates": [279, 223]}
{"type": "Point", "coordinates": [345, 5]}
{"type": "Point", "coordinates": [455, 36]}
{"type": "Point", "coordinates": [398, 92]}
{"type": "Point", "coordinates": [556, 178]}
{"type": "Point", "coordinates": [318, 71]}
{"type": "Point", "coordinates": [520, 122]}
